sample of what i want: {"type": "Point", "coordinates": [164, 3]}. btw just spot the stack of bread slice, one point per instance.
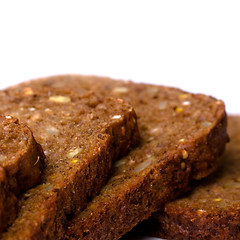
{"type": "Point", "coordinates": [85, 125]}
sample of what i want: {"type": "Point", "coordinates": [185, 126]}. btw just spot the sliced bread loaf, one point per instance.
{"type": "Point", "coordinates": [182, 134]}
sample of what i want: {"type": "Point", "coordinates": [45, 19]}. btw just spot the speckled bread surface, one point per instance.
{"type": "Point", "coordinates": [211, 210]}
{"type": "Point", "coordinates": [21, 166]}
{"type": "Point", "coordinates": [182, 134]}
{"type": "Point", "coordinates": [80, 135]}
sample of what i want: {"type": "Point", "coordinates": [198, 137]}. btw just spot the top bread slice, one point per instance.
{"type": "Point", "coordinates": [211, 210]}
{"type": "Point", "coordinates": [81, 135]}
{"type": "Point", "coordinates": [21, 166]}
{"type": "Point", "coordinates": [182, 135]}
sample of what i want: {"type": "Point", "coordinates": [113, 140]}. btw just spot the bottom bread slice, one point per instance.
{"type": "Point", "coordinates": [211, 210]}
{"type": "Point", "coordinates": [182, 134]}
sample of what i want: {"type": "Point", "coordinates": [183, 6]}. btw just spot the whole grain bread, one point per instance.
{"type": "Point", "coordinates": [81, 135]}
{"type": "Point", "coordinates": [182, 136]}
{"type": "Point", "coordinates": [21, 166]}
{"type": "Point", "coordinates": [211, 210]}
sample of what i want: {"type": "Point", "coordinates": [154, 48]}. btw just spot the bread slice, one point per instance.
{"type": "Point", "coordinates": [20, 155]}
{"type": "Point", "coordinates": [211, 210]}
{"type": "Point", "coordinates": [21, 165]}
{"type": "Point", "coordinates": [80, 136]}
{"type": "Point", "coordinates": [182, 136]}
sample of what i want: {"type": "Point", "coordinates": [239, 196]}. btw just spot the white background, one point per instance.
{"type": "Point", "coordinates": [194, 45]}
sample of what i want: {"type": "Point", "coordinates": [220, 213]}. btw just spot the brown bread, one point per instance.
{"type": "Point", "coordinates": [21, 165]}
{"type": "Point", "coordinates": [182, 136]}
{"type": "Point", "coordinates": [212, 209]}
{"type": "Point", "coordinates": [80, 136]}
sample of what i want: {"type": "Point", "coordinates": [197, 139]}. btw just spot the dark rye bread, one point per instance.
{"type": "Point", "coordinates": [80, 136]}
{"type": "Point", "coordinates": [182, 136]}
{"type": "Point", "coordinates": [212, 209]}
{"type": "Point", "coordinates": [21, 165]}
